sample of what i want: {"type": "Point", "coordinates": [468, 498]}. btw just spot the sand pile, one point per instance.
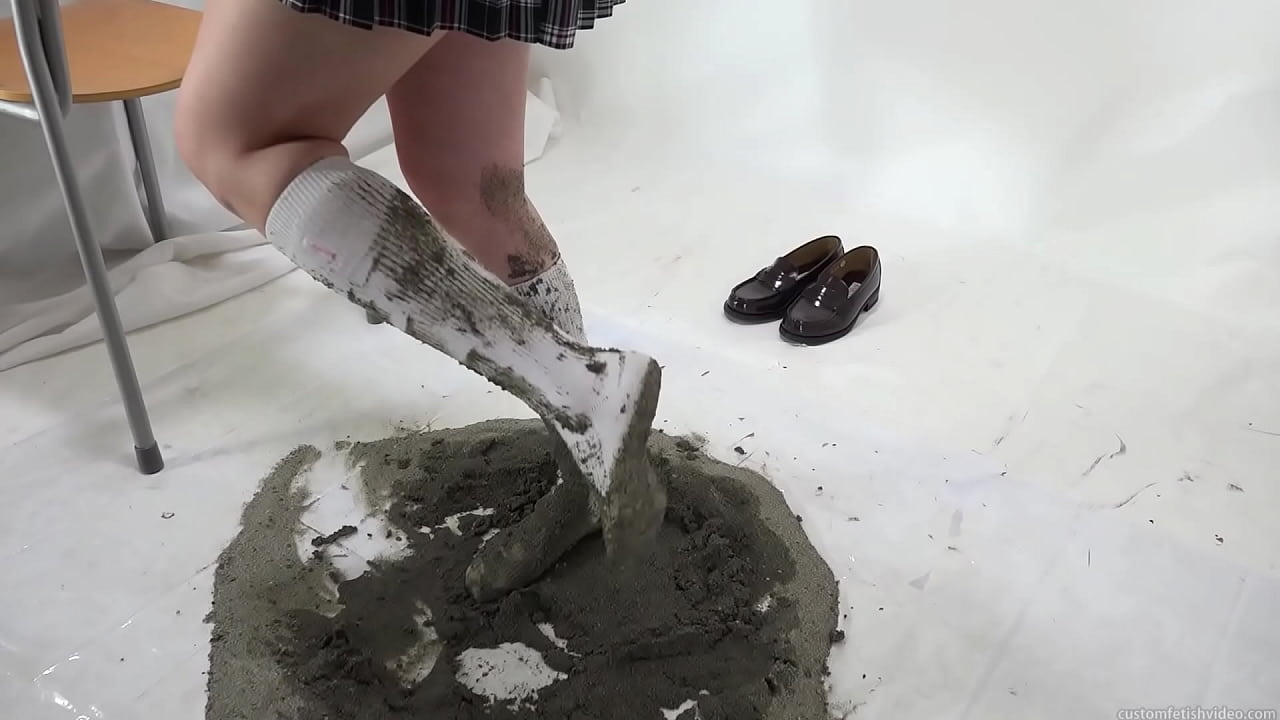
{"type": "Point", "coordinates": [731, 616]}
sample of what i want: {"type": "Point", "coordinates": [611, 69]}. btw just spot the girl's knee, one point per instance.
{"type": "Point", "coordinates": [207, 147]}
{"type": "Point", "coordinates": [244, 166]}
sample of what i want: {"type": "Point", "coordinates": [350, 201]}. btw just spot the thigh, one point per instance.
{"type": "Point", "coordinates": [458, 116]}
{"type": "Point", "coordinates": [262, 74]}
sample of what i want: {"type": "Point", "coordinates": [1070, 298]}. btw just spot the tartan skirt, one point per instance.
{"type": "Point", "coordinates": [553, 23]}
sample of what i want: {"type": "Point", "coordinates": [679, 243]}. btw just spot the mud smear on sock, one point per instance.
{"type": "Point", "coordinates": [713, 616]}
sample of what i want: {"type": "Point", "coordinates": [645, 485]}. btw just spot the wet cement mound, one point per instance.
{"type": "Point", "coordinates": [734, 610]}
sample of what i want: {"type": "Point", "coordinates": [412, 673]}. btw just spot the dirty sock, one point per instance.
{"type": "Point", "coordinates": [521, 553]}
{"type": "Point", "coordinates": [553, 293]}
{"type": "Point", "coordinates": [357, 233]}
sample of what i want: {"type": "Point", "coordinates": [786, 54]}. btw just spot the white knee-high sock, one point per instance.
{"type": "Point", "coordinates": [360, 235]}
{"type": "Point", "coordinates": [552, 292]}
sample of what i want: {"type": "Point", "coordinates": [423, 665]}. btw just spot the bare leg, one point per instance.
{"type": "Point", "coordinates": [459, 121]}
{"type": "Point", "coordinates": [268, 98]}
{"type": "Point", "coordinates": [459, 118]}
{"type": "Point", "coordinates": [269, 91]}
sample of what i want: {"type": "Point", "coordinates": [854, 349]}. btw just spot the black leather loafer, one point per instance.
{"type": "Point", "coordinates": [766, 296]}
{"type": "Point", "coordinates": [827, 309]}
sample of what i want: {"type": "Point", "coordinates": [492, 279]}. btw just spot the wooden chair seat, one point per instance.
{"type": "Point", "coordinates": [116, 50]}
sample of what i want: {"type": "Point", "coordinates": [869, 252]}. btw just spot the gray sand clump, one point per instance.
{"type": "Point", "coordinates": [732, 608]}
{"type": "Point", "coordinates": [260, 580]}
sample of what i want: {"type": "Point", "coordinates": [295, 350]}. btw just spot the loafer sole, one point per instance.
{"type": "Point", "coordinates": [752, 318]}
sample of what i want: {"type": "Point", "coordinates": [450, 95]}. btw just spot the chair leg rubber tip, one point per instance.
{"type": "Point", "coordinates": [150, 461]}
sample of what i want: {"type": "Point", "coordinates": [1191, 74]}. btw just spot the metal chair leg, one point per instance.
{"type": "Point", "coordinates": [141, 141]}
{"type": "Point", "coordinates": [39, 38]}
{"type": "Point", "coordinates": [146, 450]}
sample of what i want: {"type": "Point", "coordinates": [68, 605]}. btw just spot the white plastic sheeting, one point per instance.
{"type": "Point", "coordinates": [1071, 377]}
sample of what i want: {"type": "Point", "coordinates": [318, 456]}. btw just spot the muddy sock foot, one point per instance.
{"type": "Point", "coordinates": [520, 554]}
{"type": "Point", "coordinates": [634, 501]}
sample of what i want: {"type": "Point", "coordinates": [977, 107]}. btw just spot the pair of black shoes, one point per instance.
{"type": "Point", "coordinates": [817, 290]}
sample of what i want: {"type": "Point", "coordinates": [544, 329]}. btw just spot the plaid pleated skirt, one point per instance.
{"type": "Point", "coordinates": [553, 23]}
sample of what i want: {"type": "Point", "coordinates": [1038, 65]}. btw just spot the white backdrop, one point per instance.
{"type": "Point", "coordinates": [984, 115]}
